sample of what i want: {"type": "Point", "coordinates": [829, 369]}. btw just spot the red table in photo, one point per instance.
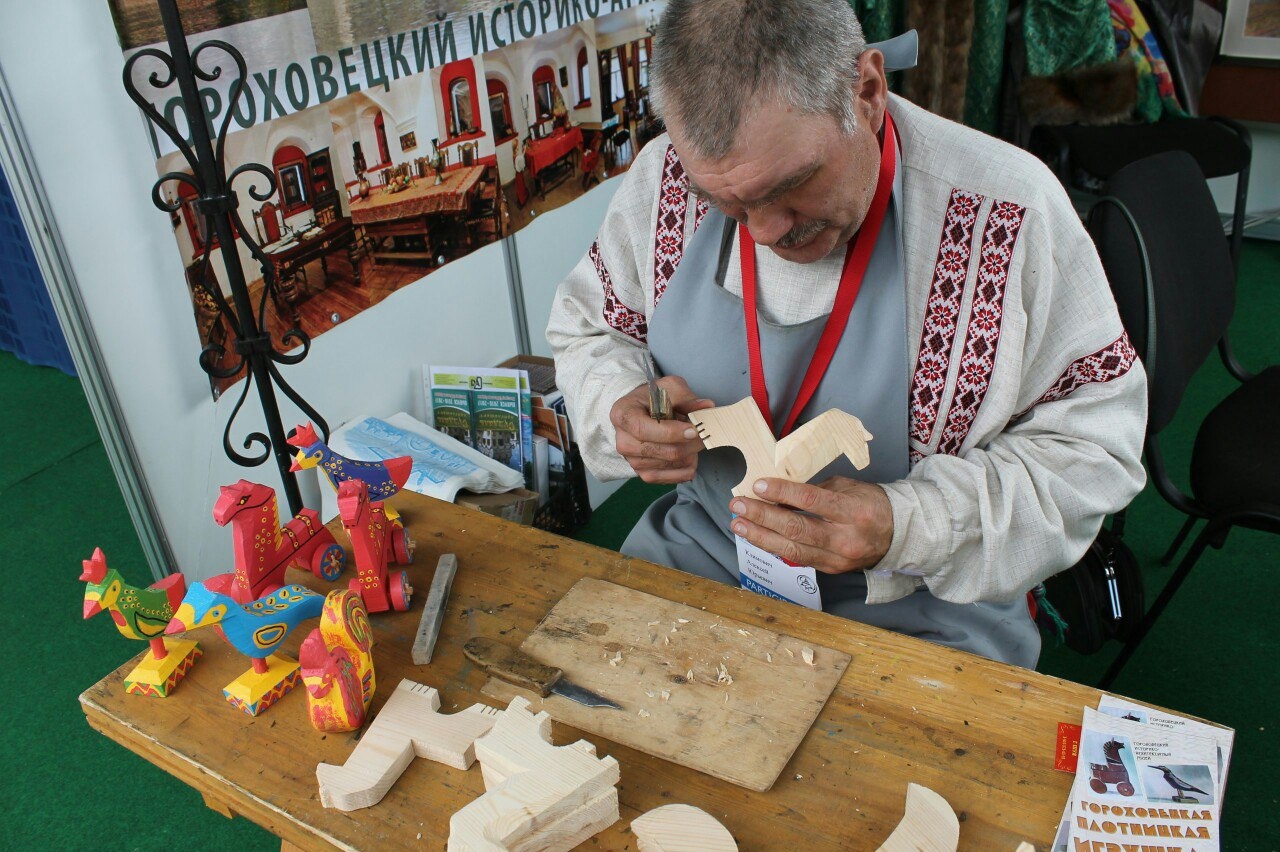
{"type": "Point", "coordinates": [540, 154]}
{"type": "Point", "coordinates": [386, 215]}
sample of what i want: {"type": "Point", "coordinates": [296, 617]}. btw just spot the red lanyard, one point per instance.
{"type": "Point", "coordinates": [856, 259]}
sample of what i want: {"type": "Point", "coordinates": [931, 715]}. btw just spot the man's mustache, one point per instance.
{"type": "Point", "coordinates": [801, 234]}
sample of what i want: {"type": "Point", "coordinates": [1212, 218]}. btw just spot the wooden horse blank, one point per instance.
{"type": "Point", "coordinates": [142, 614]}
{"type": "Point", "coordinates": [409, 725]}
{"type": "Point", "coordinates": [928, 825]}
{"type": "Point", "coordinates": [538, 796]}
{"type": "Point", "coordinates": [264, 549]}
{"type": "Point", "coordinates": [256, 630]}
{"type": "Point", "coordinates": [376, 541]}
{"type": "Point", "coordinates": [797, 457]}
{"type": "Point", "coordinates": [337, 665]}
{"type": "Point", "coordinates": [681, 828]}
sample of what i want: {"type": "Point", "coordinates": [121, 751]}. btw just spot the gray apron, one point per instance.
{"type": "Point", "coordinates": [698, 332]}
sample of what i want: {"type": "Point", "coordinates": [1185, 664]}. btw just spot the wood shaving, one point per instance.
{"type": "Point", "coordinates": [683, 620]}
{"type": "Point", "coordinates": [789, 654]}
{"type": "Point", "coordinates": [722, 675]}
{"type": "Point", "coordinates": [649, 692]}
{"type": "Point", "coordinates": [666, 695]}
{"type": "Point", "coordinates": [652, 623]}
{"type": "Point", "coordinates": [643, 714]}
{"type": "Point", "coordinates": [743, 632]}
{"type": "Point", "coordinates": [674, 629]}
{"type": "Point", "coordinates": [807, 653]}
{"type": "Point", "coordinates": [689, 675]}
{"type": "Point", "coordinates": [617, 658]}
{"type": "Point", "coordinates": [666, 640]}
{"type": "Point", "coordinates": [768, 657]}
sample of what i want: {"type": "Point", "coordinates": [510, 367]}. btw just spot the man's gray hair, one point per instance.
{"type": "Point", "coordinates": [713, 58]}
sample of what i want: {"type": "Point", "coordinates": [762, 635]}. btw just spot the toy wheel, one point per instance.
{"type": "Point", "coordinates": [1097, 786]}
{"type": "Point", "coordinates": [401, 591]}
{"type": "Point", "coordinates": [402, 545]}
{"type": "Point", "coordinates": [329, 563]}
{"type": "Point", "coordinates": [1124, 788]}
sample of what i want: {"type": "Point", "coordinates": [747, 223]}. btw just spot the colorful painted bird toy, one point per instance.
{"type": "Point", "coordinates": [256, 630]}
{"type": "Point", "coordinates": [376, 541]}
{"type": "Point", "coordinates": [141, 614]}
{"type": "Point", "coordinates": [384, 477]}
{"type": "Point", "coordinates": [337, 665]}
{"type": "Point", "coordinates": [264, 549]}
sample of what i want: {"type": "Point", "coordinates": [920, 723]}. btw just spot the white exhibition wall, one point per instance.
{"type": "Point", "coordinates": [63, 65]}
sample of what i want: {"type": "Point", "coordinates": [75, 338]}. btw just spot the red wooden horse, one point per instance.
{"type": "Point", "coordinates": [264, 549]}
{"type": "Point", "coordinates": [376, 542]}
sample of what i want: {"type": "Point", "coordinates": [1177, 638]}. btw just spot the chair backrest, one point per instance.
{"type": "Point", "coordinates": [468, 153]}
{"type": "Point", "coordinates": [270, 221]}
{"type": "Point", "coordinates": [1191, 286]}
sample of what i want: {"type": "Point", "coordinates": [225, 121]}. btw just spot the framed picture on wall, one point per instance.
{"type": "Point", "coordinates": [1251, 29]}
{"type": "Point", "coordinates": [409, 141]}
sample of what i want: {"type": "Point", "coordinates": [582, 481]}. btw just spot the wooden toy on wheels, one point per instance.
{"type": "Point", "coordinates": [142, 614]}
{"type": "Point", "coordinates": [376, 541]}
{"type": "Point", "coordinates": [264, 549]}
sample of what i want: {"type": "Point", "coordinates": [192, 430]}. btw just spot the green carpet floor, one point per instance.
{"type": "Point", "coordinates": [67, 787]}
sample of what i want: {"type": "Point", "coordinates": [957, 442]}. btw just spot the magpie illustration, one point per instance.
{"type": "Point", "coordinates": [1180, 787]}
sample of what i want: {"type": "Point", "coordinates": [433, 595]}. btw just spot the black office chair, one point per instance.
{"type": "Point", "coordinates": [1084, 156]}
{"type": "Point", "coordinates": [1161, 242]}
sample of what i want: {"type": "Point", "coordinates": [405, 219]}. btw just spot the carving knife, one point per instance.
{"type": "Point", "coordinates": [515, 666]}
{"type": "Point", "coordinates": [659, 402]}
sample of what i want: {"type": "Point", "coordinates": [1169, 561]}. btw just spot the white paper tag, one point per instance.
{"type": "Point", "coordinates": [766, 574]}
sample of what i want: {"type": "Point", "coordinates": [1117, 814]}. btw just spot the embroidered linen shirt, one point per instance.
{"type": "Point", "coordinates": [1027, 402]}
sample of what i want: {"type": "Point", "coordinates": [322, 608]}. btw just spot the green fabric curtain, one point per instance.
{"type": "Point", "coordinates": [1066, 34]}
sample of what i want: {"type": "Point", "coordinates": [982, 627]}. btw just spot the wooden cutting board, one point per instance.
{"type": "Point", "coordinates": [740, 723]}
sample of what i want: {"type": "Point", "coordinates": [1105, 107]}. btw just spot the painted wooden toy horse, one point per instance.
{"type": "Point", "coordinates": [141, 614]}
{"type": "Point", "coordinates": [264, 549]}
{"type": "Point", "coordinates": [384, 477]}
{"type": "Point", "coordinates": [337, 665]}
{"type": "Point", "coordinates": [256, 630]}
{"type": "Point", "coordinates": [376, 541]}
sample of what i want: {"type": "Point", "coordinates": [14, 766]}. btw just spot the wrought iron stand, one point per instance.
{"type": "Point", "coordinates": [217, 205]}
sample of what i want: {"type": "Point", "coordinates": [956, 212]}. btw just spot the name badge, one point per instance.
{"type": "Point", "coordinates": [766, 574]}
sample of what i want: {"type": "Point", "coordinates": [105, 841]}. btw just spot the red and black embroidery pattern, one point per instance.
{"type": "Point", "coordinates": [673, 204]}
{"type": "Point", "coordinates": [1107, 364]}
{"type": "Point", "coordinates": [982, 337]}
{"type": "Point", "coordinates": [617, 315]}
{"type": "Point", "coordinates": [938, 337]}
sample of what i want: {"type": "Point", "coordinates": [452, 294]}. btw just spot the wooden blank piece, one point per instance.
{"type": "Point", "coordinates": [537, 796]}
{"type": "Point", "coordinates": [408, 726]}
{"type": "Point", "coordinates": [424, 644]}
{"type": "Point", "coordinates": [797, 457]}
{"type": "Point", "coordinates": [929, 824]}
{"type": "Point", "coordinates": [633, 647]}
{"type": "Point", "coordinates": [681, 828]}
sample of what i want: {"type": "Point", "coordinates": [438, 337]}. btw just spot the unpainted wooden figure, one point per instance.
{"type": "Point", "coordinates": [681, 828]}
{"type": "Point", "coordinates": [408, 725]}
{"type": "Point", "coordinates": [142, 614]}
{"type": "Point", "coordinates": [796, 457]}
{"type": "Point", "coordinates": [537, 796]}
{"type": "Point", "coordinates": [337, 665]}
{"type": "Point", "coordinates": [929, 824]}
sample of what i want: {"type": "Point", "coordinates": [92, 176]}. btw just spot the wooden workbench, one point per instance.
{"type": "Point", "coordinates": [980, 733]}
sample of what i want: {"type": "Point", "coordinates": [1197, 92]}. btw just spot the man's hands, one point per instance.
{"type": "Point", "coordinates": [849, 526]}
{"type": "Point", "coordinates": [659, 451]}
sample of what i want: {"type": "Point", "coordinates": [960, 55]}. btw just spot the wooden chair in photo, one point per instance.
{"type": "Point", "coordinates": [483, 221]}
{"type": "Point", "coordinates": [468, 151]}
{"type": "Point", "coordinates": [269, 216]}
{"type": "Point", "coordinates": [591, 161]}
